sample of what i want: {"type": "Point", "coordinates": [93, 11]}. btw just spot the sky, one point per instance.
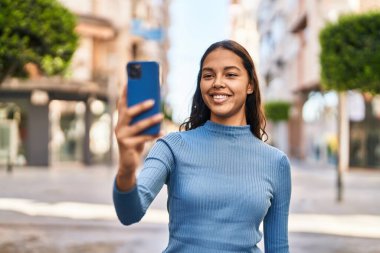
{"type": "Point", "coordinates": [195, 25]}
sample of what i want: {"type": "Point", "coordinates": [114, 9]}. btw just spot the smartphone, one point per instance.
{"type": "Point", "coordinates": [143, 84]}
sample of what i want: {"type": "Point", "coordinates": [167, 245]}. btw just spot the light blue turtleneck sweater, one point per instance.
{"type": "Point", "coordinates": [222, 183]}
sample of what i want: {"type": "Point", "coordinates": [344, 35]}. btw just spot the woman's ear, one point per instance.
{"type": "Point", "coordinates": [250, 89]}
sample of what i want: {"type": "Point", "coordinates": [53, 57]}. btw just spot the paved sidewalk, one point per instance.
{"type": "Point", "coordinates": [318, 223]}
{"type": "Point", "coordinates": [69, 209]}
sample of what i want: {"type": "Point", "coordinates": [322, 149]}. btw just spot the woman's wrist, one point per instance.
{"type": "Point", "coordinates": [125, 181]}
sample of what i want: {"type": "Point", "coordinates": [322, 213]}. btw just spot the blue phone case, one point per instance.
{"type": "Point", "coordinates": [144, 84]}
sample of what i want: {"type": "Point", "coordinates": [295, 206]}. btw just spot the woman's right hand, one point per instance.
{"type": "Point", "coordinates": [130, 141]}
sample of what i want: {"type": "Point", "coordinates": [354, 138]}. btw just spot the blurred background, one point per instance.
{"type": "Point", "coordinates": [62, 67]}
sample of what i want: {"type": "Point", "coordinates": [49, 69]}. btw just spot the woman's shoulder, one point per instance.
{"type": "Point", "coordinates": [277, 162]}
{"type": "Point", "coordinates": [180, 135]}
{"type": "Point", "coordinates": [170, 139]}
{"type": "Point", "coordinates": [274, 153]}
{"type": "Point", "coordinates": [173, 138]}
{"type": "Point", "coordinates": [180, 139]}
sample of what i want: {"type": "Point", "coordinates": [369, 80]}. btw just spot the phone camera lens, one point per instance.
{"type": "Point", "coordinates": [134, 70]}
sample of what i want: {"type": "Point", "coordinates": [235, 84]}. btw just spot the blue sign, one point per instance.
{"type": "Point", "coordinates": [138, 29]}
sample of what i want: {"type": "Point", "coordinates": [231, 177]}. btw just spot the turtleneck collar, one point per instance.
{"type": "Point", "coordinates": [226, 129]}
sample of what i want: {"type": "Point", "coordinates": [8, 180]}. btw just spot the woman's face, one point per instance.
{"type": "Point", "coordinates": [224, 87]}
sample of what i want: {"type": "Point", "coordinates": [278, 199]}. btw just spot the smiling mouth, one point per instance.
{"type": "Point", "coordinates": [219, 98]}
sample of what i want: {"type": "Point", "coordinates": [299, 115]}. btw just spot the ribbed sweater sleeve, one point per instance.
{"type": "Point", "coordinates": [276, 219]}
{"type": "Point", "coordinates": [131, 206]}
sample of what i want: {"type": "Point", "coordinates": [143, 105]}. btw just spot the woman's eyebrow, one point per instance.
{"type": "Point", "coordinates": [225, 68]}
{"type": "Point", "coordinates": [207, 69]}
{"type": "Point", "coordinates": [231, 67]}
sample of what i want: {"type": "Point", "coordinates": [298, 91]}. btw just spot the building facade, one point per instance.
{"type": "Point", "coordinates": [71, 119]}
{"type": "Point", "coordinates": [289, 62]}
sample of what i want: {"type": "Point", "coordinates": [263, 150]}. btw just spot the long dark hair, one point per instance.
{"type": "Point", "coordinates": [254, 114]}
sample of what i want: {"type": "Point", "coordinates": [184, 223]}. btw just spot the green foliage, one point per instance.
{"type": "Point", "coordinates": [166, 110]}
{"type": "Point", "coordinates": [35, 31]}
{"type": "Point", "coordinates": [277, 110]}
{"type": "Point", "coordinates": [350, 56]}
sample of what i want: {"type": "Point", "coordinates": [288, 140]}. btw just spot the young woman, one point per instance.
{"type": "Point", "coordinates": [223, 179]}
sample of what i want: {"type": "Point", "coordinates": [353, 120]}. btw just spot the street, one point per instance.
{"type": "Point", "coordinates": [69, 209]}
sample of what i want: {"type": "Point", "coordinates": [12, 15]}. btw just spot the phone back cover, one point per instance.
{"type": "Point", "coordinates": [144, 88]}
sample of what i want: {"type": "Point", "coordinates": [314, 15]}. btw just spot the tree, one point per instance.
{"type": "Point", "coordinates": [350, 56]}
{"type": "Point", "coordinates": [277, 110]}
{"type": "Point", "coordinates": [39, 32]}
{"type": "Point", "coordinates": [350, 59]}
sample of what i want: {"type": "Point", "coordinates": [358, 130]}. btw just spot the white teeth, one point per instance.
{"type": "Point", "coordinates": [220, 96]}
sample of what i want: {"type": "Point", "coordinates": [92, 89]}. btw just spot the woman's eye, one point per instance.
{"type": "Point", "coordinates": [207, 76]}
{"type": "Point", "coordinates": [231, 75]}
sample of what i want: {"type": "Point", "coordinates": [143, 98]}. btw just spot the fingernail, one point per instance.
{"type": "Point", "coordinates": [150, 102]}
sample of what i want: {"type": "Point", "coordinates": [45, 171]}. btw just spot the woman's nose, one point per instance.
{"type": "Point", "coordinates": [218, 83]}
